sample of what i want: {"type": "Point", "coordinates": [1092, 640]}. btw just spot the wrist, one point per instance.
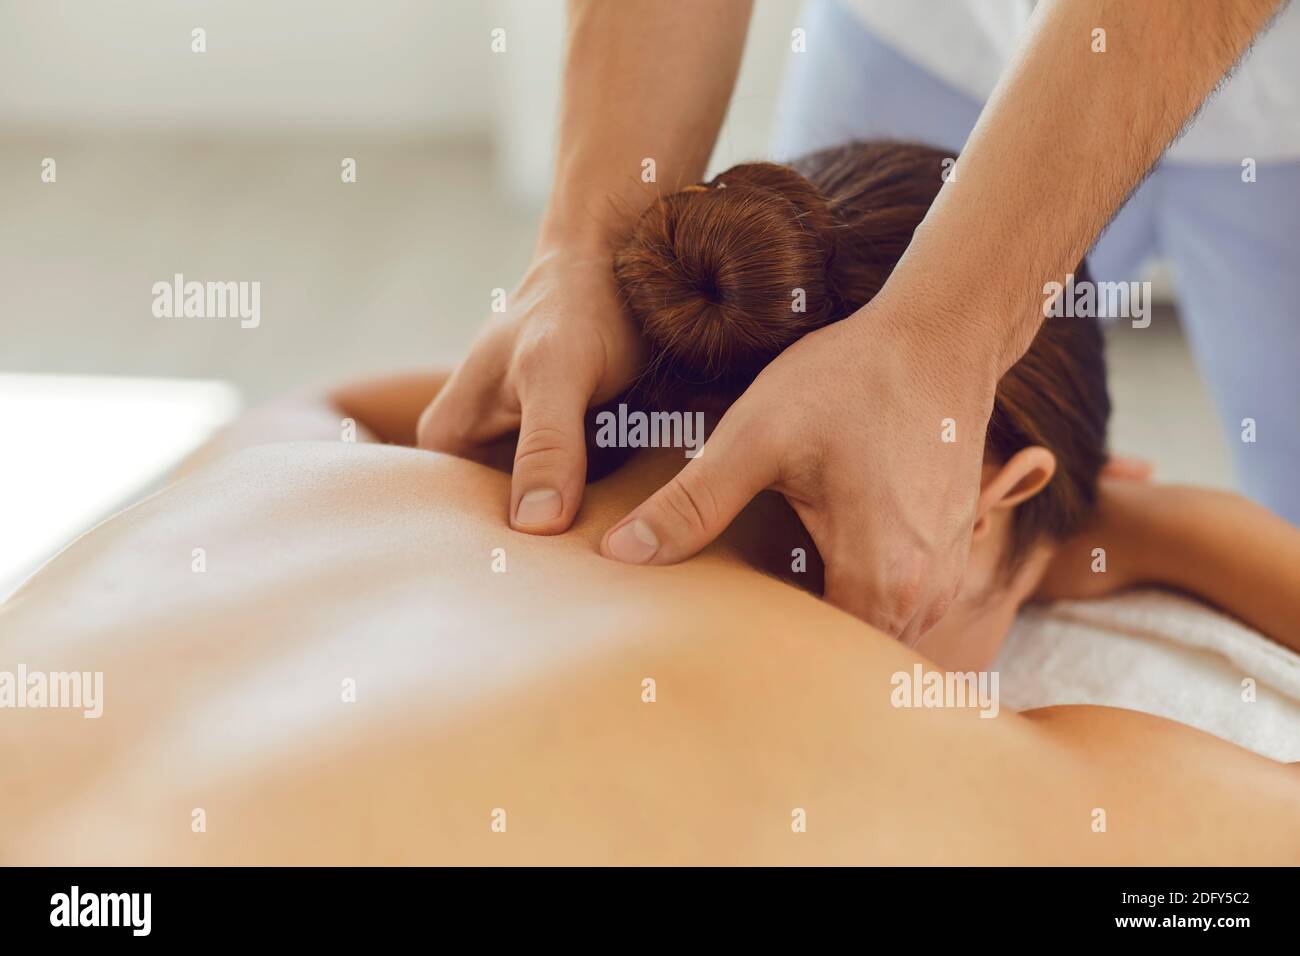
{"type": "Point", "coordinates": [592, 213]}
{"type": "Point", "coordinates": [917, 326]}
{"type": "Point", "coordinates": [563, 232]}
{"type": "Point", "coordinates": [987, 311]}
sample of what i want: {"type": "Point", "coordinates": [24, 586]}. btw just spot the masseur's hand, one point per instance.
{"type": "Point", "coordinates": [847, 422]}
{"type": "Point", "coordinates": [644, 93]}
{"type": "Point", "coordinates": [562, 344]}
{"type": "Point", "coordinates": [874, 432]}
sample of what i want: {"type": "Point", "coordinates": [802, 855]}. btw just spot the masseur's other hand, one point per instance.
{"type": "Point", "coordinates": [849, 424]}
{"type": "Point", "coordinates": [561, 345]}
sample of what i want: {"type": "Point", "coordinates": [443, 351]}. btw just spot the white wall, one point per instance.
{"type": "Point", "coordinates": [420, 68]}
{"type": "Point", "coordinates": [388, 65]}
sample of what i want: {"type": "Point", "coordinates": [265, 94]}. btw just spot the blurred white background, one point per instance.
{"type": "Point", "coordinates": [225, 165]}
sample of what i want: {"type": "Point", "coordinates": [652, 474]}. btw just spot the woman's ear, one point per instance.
{"type": "Point", "coordinates": [1024, 476]}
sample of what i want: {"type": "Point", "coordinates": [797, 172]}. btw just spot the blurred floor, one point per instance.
{"type": "Point", "coordinates": [393, 271]}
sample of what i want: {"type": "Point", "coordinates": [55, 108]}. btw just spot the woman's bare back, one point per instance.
{"type": "Point", "coordinates": [329, 652]}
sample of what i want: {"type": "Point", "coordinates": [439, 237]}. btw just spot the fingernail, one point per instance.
{"type": "Point", "coordinates": [539, 506]}
{"type": "Point", "coordinates": [634, 543]}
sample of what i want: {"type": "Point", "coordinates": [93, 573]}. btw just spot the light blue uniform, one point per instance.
{"type": "Point", "coordinates": [1233, 247]}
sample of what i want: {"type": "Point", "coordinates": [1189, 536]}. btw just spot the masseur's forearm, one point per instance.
{"type": "Point", "coordinates": [1227, 550]}
{"type": "Point", "coordinates": [1065, 137]}
{"type": "Point", "coordinates": [643, 80]}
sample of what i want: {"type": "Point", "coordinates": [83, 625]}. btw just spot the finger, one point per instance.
{"type": "Point", "coordinates": [941, 582]}
{"type": "Point", "coordinates": [851, 588]}
{"type": "Point", "coordinates": [550, 469]}
{"type": "Point", "coordinates": [1128, 469]}
{"type": "Point", "coordinates": [886, 596]}
{"type": "Point", "coordinates": [689, 512]}
{"type": "Point", "coordinates": [929, 611]}
{"type": "Point", "coordinates": [467, 413]}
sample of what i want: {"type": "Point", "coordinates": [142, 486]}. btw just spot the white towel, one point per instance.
{"type": "Point", "coordinates": [1162, 654]}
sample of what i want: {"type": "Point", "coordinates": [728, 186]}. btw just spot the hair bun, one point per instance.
{"type": "Point", "coordinates": [723, 277]}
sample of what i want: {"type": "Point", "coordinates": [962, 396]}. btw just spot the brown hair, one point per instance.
{"type": "Point", "coordinates": [712, 274]}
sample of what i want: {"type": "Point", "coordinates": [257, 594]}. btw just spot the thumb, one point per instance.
{"type": "Point", "coordinates": [550, 469]}
{"type": "Point", "coordinates": [689, 512]}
